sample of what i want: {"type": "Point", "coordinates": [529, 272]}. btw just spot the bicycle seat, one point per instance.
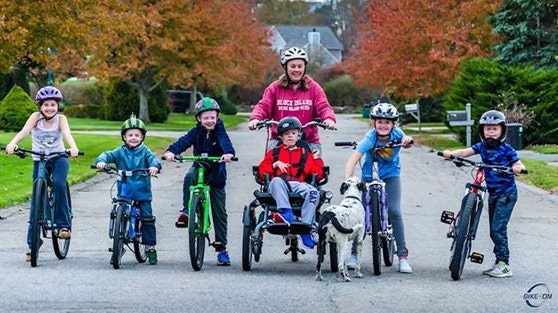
{"type": "Point", "coordinates": [294, 228]}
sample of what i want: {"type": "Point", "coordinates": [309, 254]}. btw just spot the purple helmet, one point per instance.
{"type": "Point", "coordinates": [48, 93]}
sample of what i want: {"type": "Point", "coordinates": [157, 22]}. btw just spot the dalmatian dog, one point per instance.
{"type": "Point", "coordinates": [342, 224]}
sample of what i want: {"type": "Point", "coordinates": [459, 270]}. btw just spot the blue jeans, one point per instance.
{"type": "Point", "coordinates": [148, 234]}
{"type": "Point", "coordinates": [500, 209]}
{"type": "Point", "coordinates": [58, 169]}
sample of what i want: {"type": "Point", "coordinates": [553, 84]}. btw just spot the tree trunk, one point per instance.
{"type": "Point", "coordinates": [143, 107]}
{"type": "Point", "coordinates": [193, 97]}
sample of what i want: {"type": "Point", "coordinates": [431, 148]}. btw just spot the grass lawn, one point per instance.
{"type": "Point", "coordinates": [176, 122]}
{"type": "Point", "coordinates": [15, 173]}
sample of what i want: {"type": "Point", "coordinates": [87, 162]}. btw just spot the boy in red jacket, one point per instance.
{"type": "Point", "coordinates": [289, 165]}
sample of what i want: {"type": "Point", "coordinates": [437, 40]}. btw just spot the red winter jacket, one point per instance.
{"type": "Point", "coordinates": [292, 157]}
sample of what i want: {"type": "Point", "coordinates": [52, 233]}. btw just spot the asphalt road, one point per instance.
{"type": "Point", "coordinates": [86, 282]}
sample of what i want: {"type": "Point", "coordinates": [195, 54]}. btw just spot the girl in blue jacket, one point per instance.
{"type": "Point", "coordinates": [133, 155]}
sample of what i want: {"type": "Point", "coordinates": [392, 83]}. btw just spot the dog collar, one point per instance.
{"type": "Point", "coordinates": [357, 198]}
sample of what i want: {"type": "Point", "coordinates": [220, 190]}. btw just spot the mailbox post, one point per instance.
{"type": "Point", "coordinates": [414, 110]}
{"type": "Point", "coordinates": [462, 118]}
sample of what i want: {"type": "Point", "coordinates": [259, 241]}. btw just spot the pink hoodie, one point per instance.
{"type": "Point", "coordinates": [278, 102]}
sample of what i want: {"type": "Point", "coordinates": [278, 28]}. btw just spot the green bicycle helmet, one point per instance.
{"type": "Point", "coordinates": [206, 104]}
{"type": "Point", "coordinates": [133, 123]}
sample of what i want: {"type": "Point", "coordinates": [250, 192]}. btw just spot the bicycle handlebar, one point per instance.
{"type": "Point", "coordinates": [461, 162]}
{"type": "Point", "coordinates": [353, 144]}
{"type": "Point", "coordinates": [113, 170]}
{"type": "Point", "coordinates": [22, 152]}
{"type": "Point", "coordinates": [181, 158]}
{"type": "Point", "coordinates": [267, 123]}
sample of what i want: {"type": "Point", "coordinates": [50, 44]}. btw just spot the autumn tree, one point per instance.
{"type": "Point", "coordinates": [414, 47]}
{"type": "Point", "coordinates": [48, 34]}
{"type": "Point", "coordinates": [273, 12]}
{"type": "Point", "coordinates": [186, 42]}
{"type": "Point", "coordinates": [529, 32]}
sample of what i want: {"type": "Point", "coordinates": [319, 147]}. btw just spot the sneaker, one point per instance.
{"type": "Point", "coordinates": [404, 266]}
{"type": "Point", "coordinates": [351, 263]}
{"type": "Point", "coordinates": [308, 240]}
{"type": "Point", "coordinates": [152, 256]}
{"type": "Point", "coordinates": [501, 270]}
{"type": "Point", "coordinates": [285, 216]}
{"type": "Point", "coordinates": [182, 219]}
{"type": "Point", "coordinates": [489, 270]}
{"type": "Point", "coordinates": [28, 253]}
{"type": "Point", "coordinates": [223, 258]}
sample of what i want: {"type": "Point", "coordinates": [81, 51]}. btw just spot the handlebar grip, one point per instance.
{"type": "Point", "coordinates": [524, 172]}
{"type": "Point", "coordinates": [440, 153]}
{"type": "Point", "coordinates": [234, 159]}
{"type": "Point", "coordinates": [343, 144]}
{"type": "Point", "coordinates": [93, 166]}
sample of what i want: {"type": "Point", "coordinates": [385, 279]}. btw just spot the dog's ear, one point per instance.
{"type": "Point", "coordinates": [344, 187]}
{"type": "Point", "coordinates": [361, 186]}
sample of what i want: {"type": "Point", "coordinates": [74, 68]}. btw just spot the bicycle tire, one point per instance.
{"type": "Point", "coordinates": [195, 232]}
{"type": "Point", "coordinates": [247, 242]}
{"type": "Point", "coordinates": [462, 246]}
{"type": "Point", "coordinates": [375, 220]}
{"type": "Point", "coordinates": [119, 235]}
{"type": "Point", "coordinates": [62, 246]}
{"type": "Point", "coordinates": [37, 208]}
{"type": "Point", "coordinates": [139, 249]}
{"type": "Point", "coordinates": [294, 249]}
{"type": "Point", "coordinates": [333, 260]}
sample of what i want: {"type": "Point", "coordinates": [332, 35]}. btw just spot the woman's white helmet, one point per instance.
{"type": "Point", "coordinates": [293, 54]}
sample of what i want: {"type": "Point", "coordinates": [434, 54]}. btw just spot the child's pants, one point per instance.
{"type": "Point", "coordinates": [500, 209]}
{"type": "Point", "coordinates": [279, 190]}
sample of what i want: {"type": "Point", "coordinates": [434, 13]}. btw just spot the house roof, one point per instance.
{"type": "Point", "coordinates": [298, 36]}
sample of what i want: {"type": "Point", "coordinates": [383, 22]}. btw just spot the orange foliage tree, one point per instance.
{"type": "Point", "coordinates": [414, 47]}
{"type": "Point", "coordinates": [185, 42]}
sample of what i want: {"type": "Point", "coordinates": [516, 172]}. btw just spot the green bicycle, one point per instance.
{"type": "Point", "coordinates": [199, 209]}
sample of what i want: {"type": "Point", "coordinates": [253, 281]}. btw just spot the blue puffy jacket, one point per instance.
{"type": "Point", "coordinates": [128, 159]}
{"type": "Point", "coordinates": [214, 142]}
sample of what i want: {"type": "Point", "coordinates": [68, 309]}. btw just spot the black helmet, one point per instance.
{"type": "Point", "coordinates": [288, 123]}
{"type": "Point", "coordinates": [493, 117]}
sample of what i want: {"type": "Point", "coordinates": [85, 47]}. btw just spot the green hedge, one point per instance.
{"type": "Point", "coordinates": [485, 84]}
{"type": "Point", "coordinates": [15, 109]}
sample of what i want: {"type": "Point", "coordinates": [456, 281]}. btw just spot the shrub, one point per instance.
{"type": "Point", "coordinates": [227, 107]}
{"type": "Point", "coordinates": [15, 109]}
{"type": "Point", "coordinates": [82, 92]}
{"type": "Point", "coordinates": [83, 111]}
{"type": "Point", "coordinates": [342, 92]}
{"type": "Point", "coordinates": [122, 100]}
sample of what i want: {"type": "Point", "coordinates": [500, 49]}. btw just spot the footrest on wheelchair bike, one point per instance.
{"type": "Point", "coordinates": [294, 228]}
{"type": "Point", "coordinates": [477, 257]}
{"type": "Point", "coordinates": [447, 217]}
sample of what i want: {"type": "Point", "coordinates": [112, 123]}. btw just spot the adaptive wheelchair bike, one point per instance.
{"type": "Point", "coordinates": [256, 224]}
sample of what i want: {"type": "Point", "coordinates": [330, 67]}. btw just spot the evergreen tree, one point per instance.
{"type": "Point", "coordinates": [529, 33]}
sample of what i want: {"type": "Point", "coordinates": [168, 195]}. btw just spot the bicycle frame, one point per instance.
{"type": "Point", "coordinates": [376, 185]}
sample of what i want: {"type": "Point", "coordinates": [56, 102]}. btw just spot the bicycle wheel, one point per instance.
{"type": "Point", "coordinates": [61, 246]}
{"type": "Point", "coordinates": [139, 249]}
{"type": "Point", "coordinates": [375, 220]}
{"type": "Point", "coordinates": [462, 244]}
{"type": "Point", "coordinates": [119, 235]}
{"type": "Point", "coordinates": [388, 246]}
{"type": "Point", "coordinates": [38, 207]}
{"type": "Point", "coordinates": [333, 261]}
{"type": "Point", "coordinates": [247, 242]}
{"type": "Point", "coordinates": [195, 232]}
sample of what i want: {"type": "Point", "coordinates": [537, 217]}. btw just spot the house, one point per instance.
{"type": "Point", "coordinates": [319, 42]}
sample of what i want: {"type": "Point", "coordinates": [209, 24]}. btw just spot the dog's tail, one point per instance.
{"type": "Point", "coordinates": [330, 216]}
{"type": "Point", "coordinates": [340, 227]}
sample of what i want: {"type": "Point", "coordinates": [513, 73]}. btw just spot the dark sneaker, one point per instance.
{"type": "Point", "coordinates": [308, 240]}
{"type": "Point", "coordinates": [152, 256]}
{"type": "Point", "coordinates": [182, 220]}
{"type": "Point", "coordinates": [223, 258]}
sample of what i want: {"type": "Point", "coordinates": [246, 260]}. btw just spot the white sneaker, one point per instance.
{"type": "Point", "coordinates": [485, 272]}
{"type": "Point", "coordinates": [404, 266]}
{"type": "Point", "coordinates": [501, 270]}
{"type": "Point", "coordinates": [351, 263]}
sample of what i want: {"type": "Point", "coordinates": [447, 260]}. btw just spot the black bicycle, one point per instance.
{"type": "Point", "coordinates": [463, 226]}
{"type": "Point", "coordinates": [126, 223]}
{"type": "Point", "coordinates": [43, 206]}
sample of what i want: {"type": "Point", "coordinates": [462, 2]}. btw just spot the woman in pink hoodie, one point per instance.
{"type": "Point", "coordinates": [294, 94]}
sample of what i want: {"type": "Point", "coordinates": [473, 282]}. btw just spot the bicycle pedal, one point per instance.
{"type": "Point", "coordinates": [447, 217]}
{"type": "Point", "coordinates": [477, 257]}
{"type": "Point", "coordinates": [109, 249]}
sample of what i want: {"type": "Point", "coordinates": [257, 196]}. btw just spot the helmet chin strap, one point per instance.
{"type": "Point", "coordinates": [48, 118]}
{"type": "Point", "coordinates": [492, 143]}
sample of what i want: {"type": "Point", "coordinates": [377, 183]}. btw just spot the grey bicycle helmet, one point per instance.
{"type": "Point", "coordinates": [206, 104]}
{"type": "Point", "coordinates": [384, 111]}
{"type": "Point", "coordinates": [293, 54]}
{"type": "Point", "coordinates": [288, 123]}
{"type": "Point", "coordinates": [48, 93]}
{"type": "Point", "coordinates": [493, 117]}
